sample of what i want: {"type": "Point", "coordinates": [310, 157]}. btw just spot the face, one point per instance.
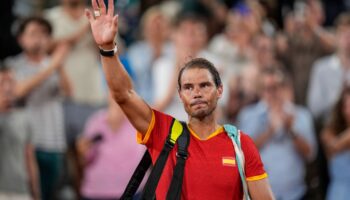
{"type": "Point", "coordinates": [34, 40]}
{"type": "Point", "coordinates": [272, 91]}
{"type": "Point", "coordinates": [191, 36]}
{"type": "Point", "coordinates": [199, 93]}
{"type": "Point", "coordinates": [264, 50]}
{"type": "Point", "coordinates": [155, 28]}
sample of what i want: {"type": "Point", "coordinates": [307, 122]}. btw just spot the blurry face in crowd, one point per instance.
{"type": "Point", "coordinates": [343, 35]}
{"type": "Point", "coordinates": [264, 49]}
{"type": "Point", "coordinates": [155, 28]}
{"type": "Point", "coordinates": [199, 93]}
{"type": "Point", "coordinates": [191, 36]}
{"type": "Point", "coordinates": [238, 28]}
{"type": "Point", "coordinates": [346, 107]}
{"type": "Point", "coordinates": [34, 40]}
{"type": "Point", "coordinates": [271, 88]}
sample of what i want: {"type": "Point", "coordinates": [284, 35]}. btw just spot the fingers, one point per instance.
{"type": "Point", "coordinates": [94, 5]}
{"type": "Point", "coordinates": [102, 6]}
{"type": "Point", "coordinates": [115, 20]}
{"type": "Point", "coordinates": [110, 8]}
{"type": "Point", "coordinates": [88, 14]}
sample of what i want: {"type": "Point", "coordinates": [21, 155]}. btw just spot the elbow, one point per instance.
{"type": "Point", "coordinates": [121, 97]}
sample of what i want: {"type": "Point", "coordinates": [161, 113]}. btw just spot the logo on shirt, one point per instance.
{"type": "Point", "coordinates": [228, 161]}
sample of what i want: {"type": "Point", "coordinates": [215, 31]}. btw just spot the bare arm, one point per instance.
{"type": "Point", "coordinates": [65, 83]}
{"type": "Point", "coordinates": [260, 189]}
{"type": "Point", "coordinates": [32, 169]}
{"type": "Point", "coordinates": [24, 87]}
{"type": "Point", "coordinates": [334, 144]}
{"type": "Point", "coordinates": [104, 29]}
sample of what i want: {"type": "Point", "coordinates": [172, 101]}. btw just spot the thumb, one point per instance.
{"type": "Point", "coordinates": [89, 15]}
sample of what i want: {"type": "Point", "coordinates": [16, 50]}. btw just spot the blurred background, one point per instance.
{"type": "Point", "coordinates": [285, 67]}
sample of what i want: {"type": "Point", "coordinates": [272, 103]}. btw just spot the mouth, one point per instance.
{"type": "Point", "coordinates": [199, 102]}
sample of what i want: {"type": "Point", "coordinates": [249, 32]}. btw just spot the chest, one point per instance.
{"type": "Point", "coordinates": [210, 169]}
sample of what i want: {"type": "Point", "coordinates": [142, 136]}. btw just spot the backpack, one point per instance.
{"type": "Point", "coordinates": [180, 134]}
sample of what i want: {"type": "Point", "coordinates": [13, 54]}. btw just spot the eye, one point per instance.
{"type": "Point", "coordinates": [205, 85]}
{"type": "Point", "coordinates": [188, 87]}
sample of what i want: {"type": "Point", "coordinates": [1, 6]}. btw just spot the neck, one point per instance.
{"type": "Point", "coordinates": [35, 58]}
{"type": "Point", "coordinates": [204, 127]}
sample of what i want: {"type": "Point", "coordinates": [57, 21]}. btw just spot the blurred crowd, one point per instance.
{"type": "Point", "coordinates": [285, 68]}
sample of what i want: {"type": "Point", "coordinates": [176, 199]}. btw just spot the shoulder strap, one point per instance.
{"type": "Point", "coordinates": [235, 137]}
{"type": "Point", "coordinates": [139, 173]}
{"type": "Point", "coordinates": [174, 191]}
{"type": "Point", "coordinates": [137, 177]}
{"type": "Point", "coordinates": [152, 182]}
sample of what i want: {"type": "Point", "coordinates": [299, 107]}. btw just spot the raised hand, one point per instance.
{"type": "Point", "coordinates": [103, 23]}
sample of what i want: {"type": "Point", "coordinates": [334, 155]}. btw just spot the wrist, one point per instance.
{"type": "Point", "coordinates": [108, 46]}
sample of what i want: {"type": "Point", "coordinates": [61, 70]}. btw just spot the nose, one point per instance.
{"type": "Point", "coordinates": [197, 93]}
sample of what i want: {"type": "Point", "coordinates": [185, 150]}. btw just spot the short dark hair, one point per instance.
{"type": "Point", "coordinates": [343, 20]}
{"type": "Point", "coordinates": [34, 19]}
{"type": "Point", "coordinates": [201, 63]}
{"type": "Point", "coordinates": [189, 16]}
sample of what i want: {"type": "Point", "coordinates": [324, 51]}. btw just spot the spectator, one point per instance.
{"type": "Point", "coordinates": [331, 73]}
{"type": "Point", "coordinates": [18, 167]}
{"type": "Point", "coordinates": [40, 79]}
{"type": "Point", "coordinates": [304, 41]}
{"type": "Point", "coordinates": [109, 152]}
{"type": "Point", "coordinates": [190, 40]}
{"type": "Point", "coordinates": [336, 140]}
{"type": "Point", "coordinates": [284, 134]}
{"type": "Point", "coordinates": [82, 64]}
{"type": "Point", "coordinates": [144, 53]}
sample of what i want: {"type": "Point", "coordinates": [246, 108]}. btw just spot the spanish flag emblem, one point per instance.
{"type": "Point", "coordinates": [228, 161]}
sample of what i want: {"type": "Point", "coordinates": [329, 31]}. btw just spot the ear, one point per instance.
{"type": "Point", "coordinates": [219, 91]}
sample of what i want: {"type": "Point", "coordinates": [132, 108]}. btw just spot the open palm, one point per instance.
{"type": "Point", "coordinates": [104, 27]}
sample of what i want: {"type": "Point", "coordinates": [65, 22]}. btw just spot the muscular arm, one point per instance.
{"type": "Point", "coordinates": [104, 29]}
{"type": "Point", "coordinates": [260, 190]}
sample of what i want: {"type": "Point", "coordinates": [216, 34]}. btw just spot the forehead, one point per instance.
{"type": "Point", "coordinates": [196, 75]}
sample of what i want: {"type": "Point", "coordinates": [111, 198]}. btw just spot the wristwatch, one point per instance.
{"type": "Point", "coordinates": [109, 52]}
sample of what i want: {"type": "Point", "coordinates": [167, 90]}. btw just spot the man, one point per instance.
{"type": "Point", "coordinates": [18, 168]}
{"type": "Point", "coordinates": [88, 92]}
{"type": "Point", "coordinates": [331, 73]}
{"type": "Point", "coordinates": [284, 134]}
{"type": "Point", "coordinates": [40, 79]}
{"type": "Point", "coordinates": [207, 174]}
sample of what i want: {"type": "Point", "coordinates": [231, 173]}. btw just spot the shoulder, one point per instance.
{"type": "Point", "coordinates": [324, 63]}
{"type": "Point", "coordinates": [14, 61]}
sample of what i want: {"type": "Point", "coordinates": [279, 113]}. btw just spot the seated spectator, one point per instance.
{"type": "Point", "coordinates": [336, 140]}
{"type": "Point", "coordinates": [109, 154]}
{"type": "Point", "coordinates": [284, 134]}
{"type": "Point", "coordinates": [18, 167]}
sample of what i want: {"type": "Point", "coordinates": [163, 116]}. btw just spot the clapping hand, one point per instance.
{"type": "Point", "coordinates": [103, 23]}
